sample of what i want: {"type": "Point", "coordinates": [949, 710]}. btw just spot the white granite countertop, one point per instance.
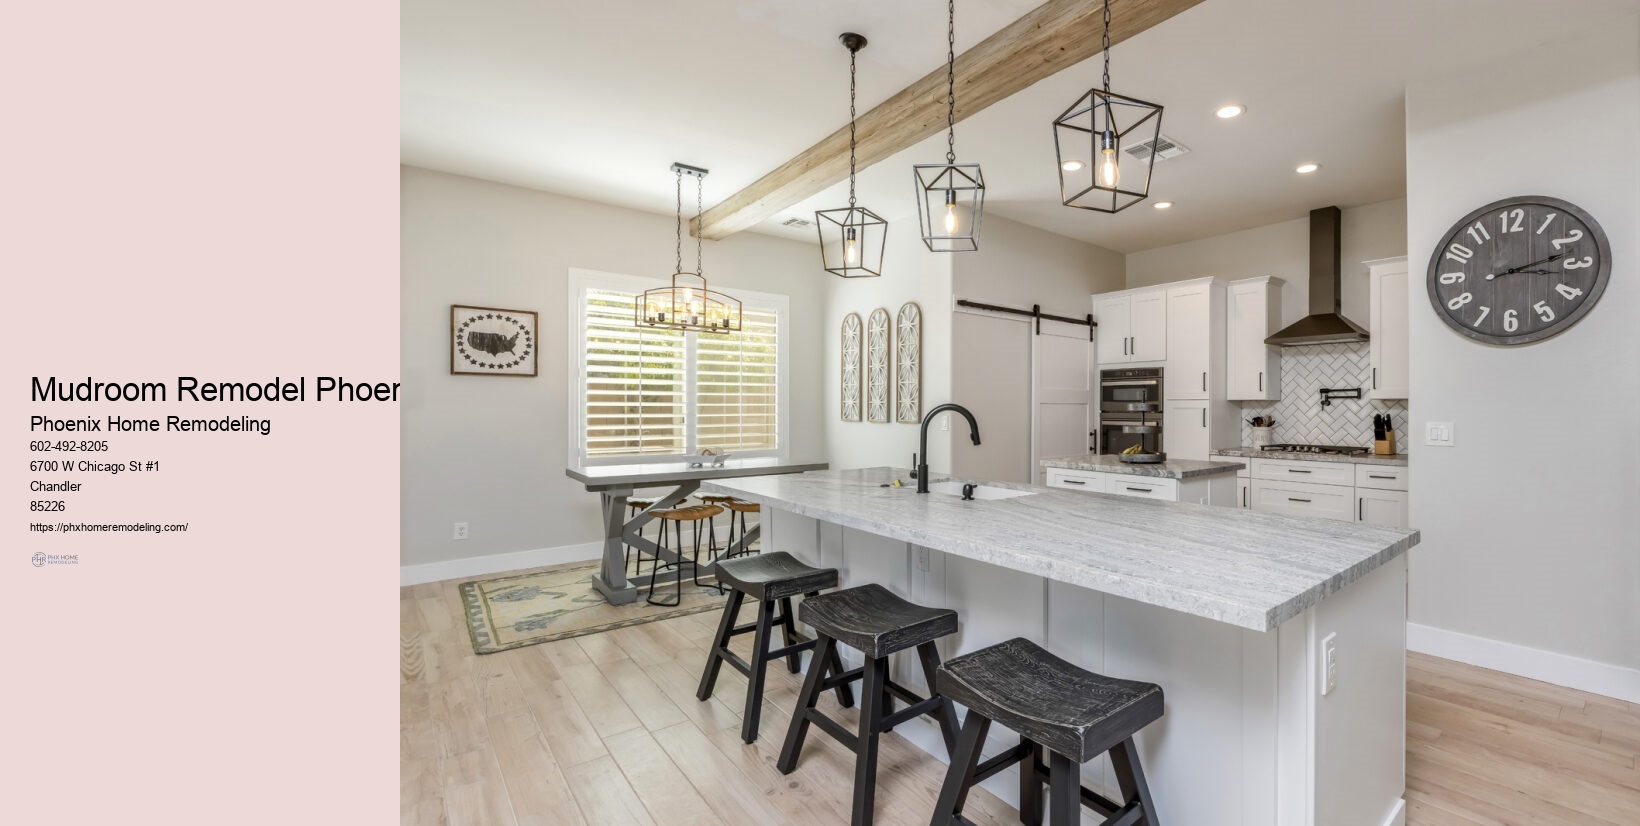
{"type": "Point", "coordinates": [1363, 459]}
{"type": "Point", "coordinates": [1253, 570]}
{"type": "Point", "coordinates": [1170, 469]}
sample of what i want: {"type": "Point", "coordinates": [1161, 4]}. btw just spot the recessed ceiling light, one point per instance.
{"type": "Point", "coordinates": [1072, 166]}
{"type": "Point", "coordinates": [1230, 110]}
{"type": "Point", "coordinates": [1163, 205]}
{"type": "Point", "coordinates": [1307, 168]}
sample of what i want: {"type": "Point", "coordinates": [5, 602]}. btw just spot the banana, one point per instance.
{"type": "Point", "coordinates": [1135, 449]}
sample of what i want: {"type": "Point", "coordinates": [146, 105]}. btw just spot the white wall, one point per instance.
{"type": "Point", "coordinates": [1369, 231]}
{"type": "Point", "coordinates": [910, 273]}
{"type": "Point", "coordinates": [1529, 537]}
{"type": "Point", "coordinates": [1016, 266]}
{"type": "Point", "coordinates": [491, 451]}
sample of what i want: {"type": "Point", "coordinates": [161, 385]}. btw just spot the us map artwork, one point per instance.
{"type": "Point", "coordinates": [489, 341]}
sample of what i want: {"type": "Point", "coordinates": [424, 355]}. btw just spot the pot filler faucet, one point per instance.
{"type": "Point", "coordinates": [922, 440]}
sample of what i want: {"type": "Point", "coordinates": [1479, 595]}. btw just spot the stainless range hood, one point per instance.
{"type": "Point", "coordinates": [1324, 324]}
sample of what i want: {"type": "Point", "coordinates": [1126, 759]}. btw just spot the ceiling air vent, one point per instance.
{"type": "Point", "coordinates": [796, 222]}
{"type": "Point", "coordinates": [1163, 148]}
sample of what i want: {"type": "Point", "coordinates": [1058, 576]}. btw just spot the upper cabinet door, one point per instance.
{"type": "Point", "coordinates": [1387, 295]}
{"type": "Point", "coordinates": [1188, 342]}
{"type": "Point", "coordinates": [1147, 334]}
{"type": "Point", "coordinates": [1112, 314]}
{"type": "Point", "coordinates": [1253, 370]}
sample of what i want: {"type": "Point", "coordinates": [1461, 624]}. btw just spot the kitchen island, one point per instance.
{"type": "Point", "coordinates": [1173, 480]}
{"type": "Point", "coordinates": [1227, 610]}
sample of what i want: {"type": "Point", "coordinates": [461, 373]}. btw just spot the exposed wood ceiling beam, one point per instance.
{"type": "Point", "coordinates": [1053, 36]}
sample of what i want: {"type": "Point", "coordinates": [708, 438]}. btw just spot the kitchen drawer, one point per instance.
{"type": "Point", "coordinates": [1143, 487]}
{"type": "Point", "coordinates": [1321, 473]}
{"type": "Point", "coordinates": [1304, 499]}
{"type": "Point", "coordinates": [1381, 477]}
{"type": "Point", "coordinates": [1086, 480]}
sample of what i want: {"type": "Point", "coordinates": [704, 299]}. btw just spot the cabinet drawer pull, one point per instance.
{"type": "Point", "coordinates": [1295, 470]}
{"type": "Point", "coordinates": [1376, 476]}
{"type": "Point", "coordinates": [1244, 497]}
{"type": "Point", "coordinates": [1074, 482]}
{"type": "Point", "coordinates": [1142, 490]}
{"type": "Point", "coordinates": [1361, 509]}
{"type": "Point", "coordinates": [1261, 381]}
{"type": "Point", "coordinates": [1204, 382]}
{"type": "Point", "coordinates": [1204, 417]}
{"type": "Point", "coordinates": [1296, 499]}
{"type": "Point", "coordinates": [1375, 378]}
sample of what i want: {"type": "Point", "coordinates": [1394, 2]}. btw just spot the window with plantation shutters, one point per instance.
{"type": "Point", "coordinates": [736, 388]}
{"type": "Point", "coordinates": [635, 395]}
{"type": "Point", "coordinates": [646, 393]}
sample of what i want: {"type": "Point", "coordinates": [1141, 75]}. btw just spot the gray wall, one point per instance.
{"type": "Point", "coordinates": [491, 451]}
{"type": "Point", "coordinates": [1528, 522]}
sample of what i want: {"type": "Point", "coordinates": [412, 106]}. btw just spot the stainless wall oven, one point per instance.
{"type": "Point", "coordinates": [1117, 390]}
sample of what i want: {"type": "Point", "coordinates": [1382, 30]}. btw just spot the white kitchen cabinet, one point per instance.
{"type": "Point", "coordinates": [1304, 499]}
{"type": "Point", "coordinates": [1190, 341]}
{"type": "Point", "coordinates": [1187, 429]}
{"type": "Point", "coordinates": [1205, 490]}
{"type": "Point", "coordinates": [1091, 481]}
{"type": "Point", "coordinates": [1253, 312]}
{"type": "Point", "coordinates": [1371, 493]}
{"type": "Point", "coordinates": [1132, 326]}
{"type": "Point", "coordinates": [1387, 295]}
{"type": "Point", "coordinates": [1381, 507]}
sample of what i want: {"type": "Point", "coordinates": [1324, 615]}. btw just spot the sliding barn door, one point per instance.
{"type": "Point", "coordinates": [1064, 380]}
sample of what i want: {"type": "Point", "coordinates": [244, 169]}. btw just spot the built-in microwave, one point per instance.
{"type": "Point", "coordinates": [1119, 390]}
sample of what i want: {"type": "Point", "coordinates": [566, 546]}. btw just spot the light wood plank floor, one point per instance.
{"type": "Point", "coordinates": [605, 729]}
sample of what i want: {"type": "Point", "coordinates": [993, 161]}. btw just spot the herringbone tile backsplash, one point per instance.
{"type": "Point", "coordinates": [1299, 416]}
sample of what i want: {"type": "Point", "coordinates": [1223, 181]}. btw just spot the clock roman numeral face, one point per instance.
{"type": "Point", "coordinates": [1519, 270]}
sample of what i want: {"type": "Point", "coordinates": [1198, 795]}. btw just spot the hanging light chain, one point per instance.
{"type": "Point", "coordinates": [699, 183]}
{"type": "Point", "coordinates": [1107, 47]}
{"type": "Point", "coordinates": [678, 173]}
{"type": "Point", "coordinates": [851, 54]}
{"type": "Point", "coordinates": [951, 82]}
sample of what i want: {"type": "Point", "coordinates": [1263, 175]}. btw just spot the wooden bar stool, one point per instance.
{"type": "Point", "coordinates": [678, 516]}
{"type": "Point", "coordinates": [873, 620]}
{"type": "Point", "coordinates": [770, 579]}
{"type": "Point", "coordinates": [1071, 712]}
{"type": "Point", "coordinates": [739, 509]}
{"type": "Point", "coordinates": [711, 524]}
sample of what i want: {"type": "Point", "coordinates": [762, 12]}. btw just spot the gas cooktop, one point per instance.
{"type": "Point", "coordinates": [1337, 450]}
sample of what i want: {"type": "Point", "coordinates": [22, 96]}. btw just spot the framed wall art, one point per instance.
{"type": "Point", "coordinates": [877, 367]}
{"type": "Point", "coordinates": [492, 342]}
{"type": "Point", "coordinates": [851, 367]}
{"type": "Point", "coordinates": [908, 364]}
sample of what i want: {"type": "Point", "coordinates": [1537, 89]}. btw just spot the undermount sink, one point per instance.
{"type": "Point", "coordinates": [980, 491]}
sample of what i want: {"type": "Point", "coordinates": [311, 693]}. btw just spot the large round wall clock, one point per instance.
{"type": "Point", "coordinates": [1519, 270]}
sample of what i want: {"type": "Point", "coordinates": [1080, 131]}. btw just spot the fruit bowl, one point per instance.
{"type": "Point", "coordinates": [1142, 458]}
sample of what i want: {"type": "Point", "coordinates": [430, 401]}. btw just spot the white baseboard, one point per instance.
{"type": "Point", "coordinates": [498, 563]}
{"type": "Point", "coordinates": [1548, 666]}
{"type": "Point", "coordinates": [1397, 815]}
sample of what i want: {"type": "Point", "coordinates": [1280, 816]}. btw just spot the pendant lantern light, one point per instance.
{"type": "Point", "coordinates": [851, 239]}
{"type": "Point", "coordinates": [950, 196]}
{"type": "Point", "coordinates": [687, 304]}
{"type": "Point", "coordinates": [1105, 144]}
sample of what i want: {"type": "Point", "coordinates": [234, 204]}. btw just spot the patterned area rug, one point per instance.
{"type": "Point", "coordinates": [516, 610]}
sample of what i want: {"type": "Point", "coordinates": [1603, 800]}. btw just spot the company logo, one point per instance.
{"type": "Point", "coordinates": [42, 559]}
{"type": "Point", "coordinates": [39, 559]}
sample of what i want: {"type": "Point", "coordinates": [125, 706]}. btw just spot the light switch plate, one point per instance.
{"type": "Point", "coordinates": [1329, 663]}
{"type": "Point", "coordinates": [1438, 434]}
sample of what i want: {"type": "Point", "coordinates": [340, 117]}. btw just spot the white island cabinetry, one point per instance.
{"type": "Point", "coordinates": [1220, 607]}
{"type": "Point", "coordinates": [1205, 483]}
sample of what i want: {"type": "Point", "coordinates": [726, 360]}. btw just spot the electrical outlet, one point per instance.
{"type": "Point", "coordinates": [1438, 434]}
{"type": "Point", "coordinates": [461, 530]}
{"type": "Point", "coordinates": [922, 559]}
{"type": "Point", "coordinates": [1329, 663]}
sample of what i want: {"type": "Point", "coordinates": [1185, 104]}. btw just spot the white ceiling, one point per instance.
{"type": "Point", "coordinates": [596, 99]}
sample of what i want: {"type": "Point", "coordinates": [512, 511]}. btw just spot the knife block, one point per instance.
{"type": "Point", "coordinates": [1384, 446]}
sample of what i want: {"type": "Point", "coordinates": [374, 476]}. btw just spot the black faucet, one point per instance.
{"type": "Point", "coordinates": [922, 440]}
